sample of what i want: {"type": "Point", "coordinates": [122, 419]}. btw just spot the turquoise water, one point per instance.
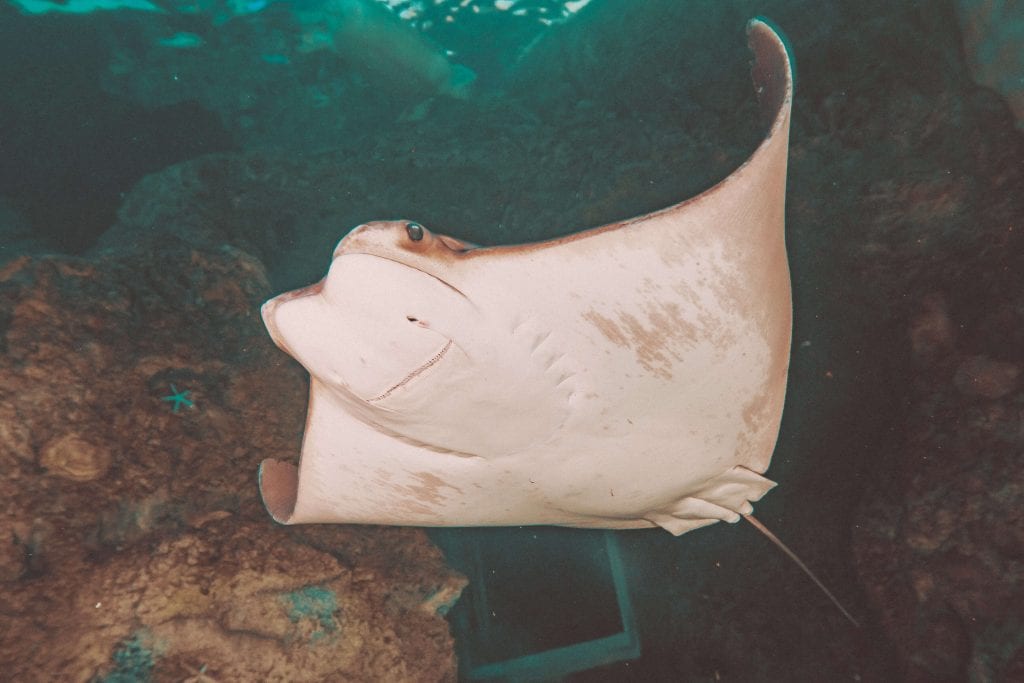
{"type": "Point", "coordinates": [273, 127]}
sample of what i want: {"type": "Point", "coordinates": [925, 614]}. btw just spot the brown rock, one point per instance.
{"type": "Point", "coordinates": [133, 541]}
{"type": "Point", "coordinates": [938, 541]}
{"type": "Point", "coordinates": [987, 378]}
{"type": "Point", "coordinates": [13, 553]}
{"type": "Point", "coordinates": [238, 602]}
{"type": "Point", "coordinates": [941, 647]}
{"type": "Point", "coordinates": [74, 458]}
{"type": "Point", "coordinates": [931, 330]}
{"type": "Point", "coordinates": [15, 439]}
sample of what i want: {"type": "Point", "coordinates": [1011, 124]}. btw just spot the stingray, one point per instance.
{"type": "Point", "coordinates": [626, 376]}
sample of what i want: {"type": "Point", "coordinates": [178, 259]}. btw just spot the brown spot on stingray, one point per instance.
{"type": "Point", "coordinates": [655, 339]}
{"type": "Point", "coordinates": [607, 327]}
{"type": "Point", "coordinates": [650, 344]}
{"type": "Point", "coordinates": [429, 488]}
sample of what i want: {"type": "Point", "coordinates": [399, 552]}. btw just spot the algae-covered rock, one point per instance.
{"type": "Point", "coordinates": [134, 544]}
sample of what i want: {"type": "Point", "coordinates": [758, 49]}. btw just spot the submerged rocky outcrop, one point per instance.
{"type": "Point", "coordinates": [138, 393]}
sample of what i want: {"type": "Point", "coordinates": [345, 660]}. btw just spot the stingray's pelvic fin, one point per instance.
{"type": "Point", "coordinates": [784, 548]}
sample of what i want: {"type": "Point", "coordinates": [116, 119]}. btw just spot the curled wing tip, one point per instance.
{"type": "Point", "coordinates": [773, 67]}
{"type": "Point", "coordinates": [279, 487]}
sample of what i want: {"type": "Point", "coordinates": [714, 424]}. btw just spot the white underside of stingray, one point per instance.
{"type": "Point", "coordinates": [627, 376]}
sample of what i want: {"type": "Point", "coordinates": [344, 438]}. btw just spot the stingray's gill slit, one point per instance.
{"type": "Point", "coordinates": [800, 563]}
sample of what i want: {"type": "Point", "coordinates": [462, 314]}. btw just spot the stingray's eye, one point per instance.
{"type": "Point", "coordinates": [415, 231]}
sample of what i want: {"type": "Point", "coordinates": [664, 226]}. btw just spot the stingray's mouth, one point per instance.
{"type": "Point", "coordinates": [414, 374]}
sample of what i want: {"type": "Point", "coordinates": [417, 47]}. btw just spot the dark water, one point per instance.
{"type": "Point", "coordinates": [536, 119]}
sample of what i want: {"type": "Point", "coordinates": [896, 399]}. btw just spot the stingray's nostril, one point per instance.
{"type": "Point", "coordinates": [415, 231]}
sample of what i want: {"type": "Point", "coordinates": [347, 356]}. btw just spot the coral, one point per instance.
{"type": "Point", "coordinates": [134, 546]}
{"type": "Point", "coordinates": [316, 604]}
{"type": "Point", "coordinates": [133, 661]}
{"type": "Point", "coordinates": [938, 540]}
{"type": "Point", "coordinates": [75, 458]}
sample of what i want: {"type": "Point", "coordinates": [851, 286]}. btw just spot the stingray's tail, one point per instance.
{"type": "Point", "coordinates": [784, 548]}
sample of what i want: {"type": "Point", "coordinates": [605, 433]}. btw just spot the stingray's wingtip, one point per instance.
{"type": "Point", "coordinates": [279, 488]}
{"type": "Point", "coordinates": [756, 21]}
{"type": "Point", "coordinates": [761, 24]}
{"type": "Point", "coordinates": [763, 27]}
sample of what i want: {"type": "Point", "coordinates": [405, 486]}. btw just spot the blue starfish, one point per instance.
{"type": "Point", "coordinates": [179, 398]}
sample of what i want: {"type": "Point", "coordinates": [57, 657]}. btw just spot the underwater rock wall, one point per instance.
{"type": "Point", "coordinates": [939, 537]}
{"type": "Point", "coordinates": [993, 41]}
{"type": "Point", "coordinates": [138, 392]}
{"type": "Point", "coordinates": [939, 540]}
